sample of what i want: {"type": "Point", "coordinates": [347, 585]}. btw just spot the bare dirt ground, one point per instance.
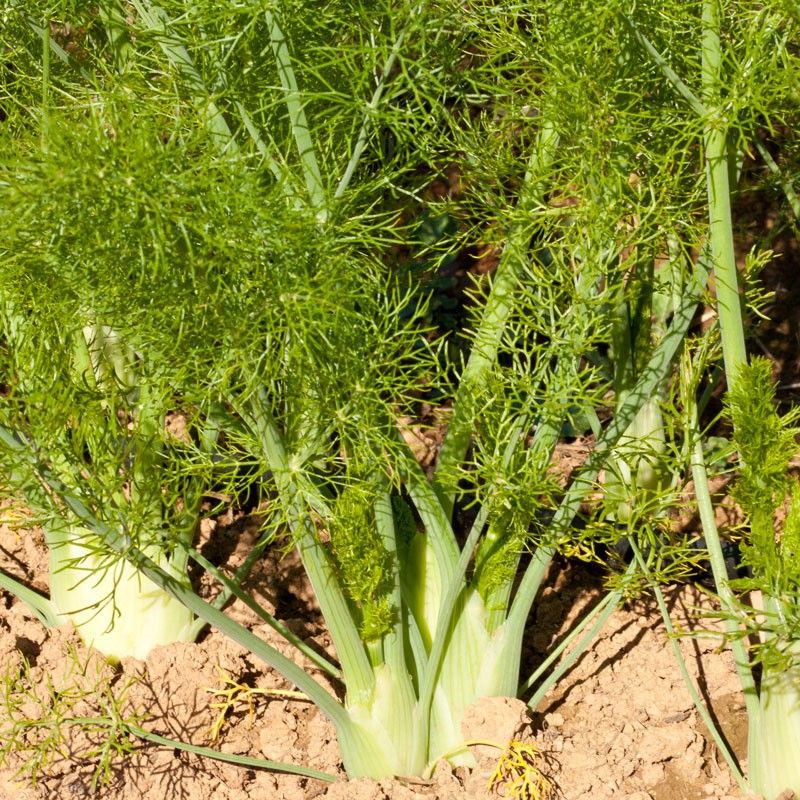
{"type": "Point", "coordinates": [620, 725]}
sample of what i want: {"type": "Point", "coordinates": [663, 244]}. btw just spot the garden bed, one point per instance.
{"type": "Point", "coordinates": [620, 725]}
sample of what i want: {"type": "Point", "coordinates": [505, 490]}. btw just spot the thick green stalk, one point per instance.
{"type": "Point", "coordinates": [447, 611]}
{"type": "Point", "coordinates": [45, 84]}
{"type": "Point", "coordinates": [39, 605]}
{"type": "Point", "coordinates": [497, 310]}
{"type": "Point", "coordinates": [358, 674]}
{"type": "Point", "coordinates": [113, 17]}
{"type": "Point", "coordinates": [433, 515]}
{"type": "Point", "coordinates": [729, 309]}
{"type": "Point", "coordinates": [718, 171]}
{"type": "Point", "coordinates": [651, 378]}
{"type": "Point", "coordinates": [297, 117]}
{"type": "Point", "coordinates": [159, 23]}
{"type": "Point", "coordinates": [393, 650]}
{"type": "Point", "coordinates": [489, 649]}
{"type": "Point", "coordinates": [715, 141]}
{"type": "Point", "coordinates": [391, 716]}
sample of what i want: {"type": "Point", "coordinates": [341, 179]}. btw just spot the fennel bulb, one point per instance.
{"type": "Point", "coordinates": [384, 737]}
{"type": "Point", "coordinates": [114, 608]}
{"type": "Point", "coordinates": [767, 443]}
{"type": "Point", "coordinates": [773, 746]}
{"type": "Point", "coordinates": [634, 469]}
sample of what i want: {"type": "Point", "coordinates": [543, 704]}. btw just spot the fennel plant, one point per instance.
{"type": "Point", "coordinates": [734, 88]}
{"type": "Point", "coordinates": [239, 240]}
{"type": "Point", "coordinates": [766, 444]}
{"type": "Point", "coordinates": [103, 430]}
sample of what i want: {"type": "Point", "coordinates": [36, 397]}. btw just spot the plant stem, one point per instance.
{"type": "Point", "coordinates": [595, 620]}
{"type": "Point", "coordinates": [705, 508]}
{"type": "Point", "coordinates": [233, 589]}
{"type": "Point", "coordinates": [372, 105]}
{"type": "Point", "coordinates": [687, 679]}
{"type": "Point", "coordinates": [159, 23]}
{"type": "Point", "coordinates": [496, 312]}
{"type": "Point", "coordinates": [358, 675]}
{"type": "Point", "coordinates": [669, 73]}
{"type": "Point", "coordinates": [36, 603]}
{"type": "Point", "coordinates": [218, 755]}
{"type": "Point", "coordinates": [433, 515]}
{"type": "Point", "coordinates": [729, 310]}
{"type": "Point", "coordinates": [720, 222]}
{"type": "Point", "coordinates": [45, 84]}
{"type": "Point", "coordinates": [297, 117]}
